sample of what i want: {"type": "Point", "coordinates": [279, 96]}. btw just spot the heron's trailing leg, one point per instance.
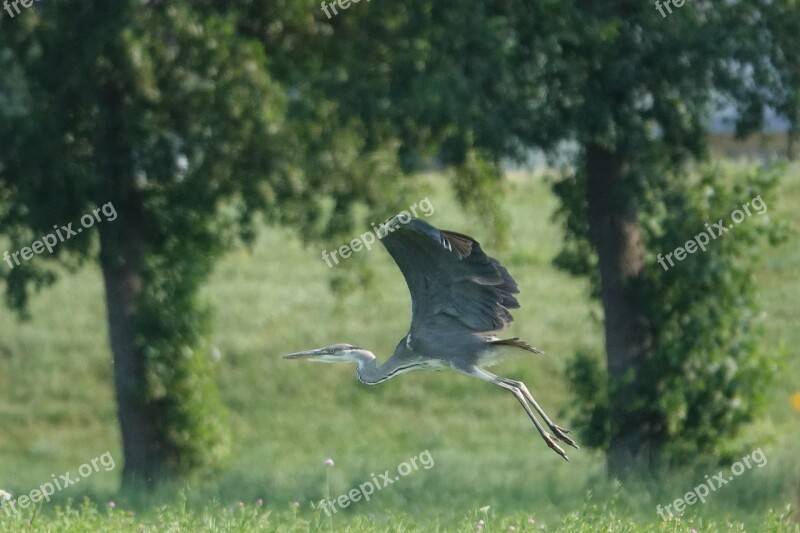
{"type": "Point", "coordinates": [560, 432]}
{"type": "Point", "coordinates": [513, 387]}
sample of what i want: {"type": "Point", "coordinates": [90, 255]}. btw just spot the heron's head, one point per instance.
{"type": "Point", "coordinates": [337, 353]}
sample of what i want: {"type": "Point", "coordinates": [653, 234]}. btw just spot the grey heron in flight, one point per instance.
{"type": "Point", "coordinates": [459, 295]}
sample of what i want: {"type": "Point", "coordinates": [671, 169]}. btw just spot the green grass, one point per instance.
{"type": "Point", "coordinates": [589, 518]}
{"type": "Point", "coordinates": [57, 409]}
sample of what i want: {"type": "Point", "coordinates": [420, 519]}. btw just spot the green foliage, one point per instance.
{"type": "Point", "coordinates": [174, 335]}
{"type": "Point", "coordinates": [708, 373]}
{"type": "Point", "coordinates": [576, 256]}
{"type": "Point", "coordinates": [479, 188]}
{"type": "Point", "coordinates": [590, 384]}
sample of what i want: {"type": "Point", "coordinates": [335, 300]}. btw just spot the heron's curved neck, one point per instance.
{"type": "Point", "coordinates": [370, 373]}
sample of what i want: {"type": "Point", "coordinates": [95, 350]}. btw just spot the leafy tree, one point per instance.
{"type": "Point", "coordinates": [167, 113]}
{"type": "Point", "coordinates": [706, 374]}
{"type": "Point", "coordinates": [644, 115]}
{"type": "Point", "coordinates": [151, 114]}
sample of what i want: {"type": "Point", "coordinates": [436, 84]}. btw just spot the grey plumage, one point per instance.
{"type": "Point", "coordinates": [459, 296]}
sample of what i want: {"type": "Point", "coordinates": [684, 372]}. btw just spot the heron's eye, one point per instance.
{"type": "Point", "coordinates": [329, 352]}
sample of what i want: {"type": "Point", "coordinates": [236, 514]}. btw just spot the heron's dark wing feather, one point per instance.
{"type": "Point", "coordinates": [448, 273]}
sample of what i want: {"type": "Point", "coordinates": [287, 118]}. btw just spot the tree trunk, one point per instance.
{"type": "Point", "coordinates": [120, 261]}
{"type": "Point", "coordinates": [616, 237]}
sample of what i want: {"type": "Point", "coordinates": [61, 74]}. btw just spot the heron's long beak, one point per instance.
{"type": "Point", "coordinates": [308, 353]}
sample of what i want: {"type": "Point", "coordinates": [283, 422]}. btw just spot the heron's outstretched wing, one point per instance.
{"type": "Point", "coordinates": [448, 273]}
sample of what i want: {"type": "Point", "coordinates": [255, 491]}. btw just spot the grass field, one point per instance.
{"type": "Point", "coordinates": [57, 410]}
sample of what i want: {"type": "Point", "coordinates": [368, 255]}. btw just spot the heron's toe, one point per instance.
{"type": "Point", "coordinates": [551, 442]}
{"type": "Point", "coordinates": [561, 434]}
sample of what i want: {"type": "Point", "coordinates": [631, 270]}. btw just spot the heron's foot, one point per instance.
{"type": "Point", "coordinates": [561, 434]}
{"type": "Point", "coordinates": [551, 442]}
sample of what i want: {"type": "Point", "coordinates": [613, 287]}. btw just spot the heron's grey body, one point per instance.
{"type": "Point", "coordinates": [459, 295]}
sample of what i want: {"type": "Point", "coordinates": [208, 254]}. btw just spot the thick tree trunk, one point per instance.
{"type": "Point", "coordinates": [120, 261]}
{"type": "Point", "coordinates": [616, 237]}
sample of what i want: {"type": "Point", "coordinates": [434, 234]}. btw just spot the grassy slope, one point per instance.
{"type": "Point", "coordinates": [57, 411]}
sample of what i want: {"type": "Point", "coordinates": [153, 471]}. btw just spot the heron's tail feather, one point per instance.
{"type": "Point", "coordinates": [516, 342]}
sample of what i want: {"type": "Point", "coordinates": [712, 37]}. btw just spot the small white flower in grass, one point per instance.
{"type": "Point", "coordinates": [111, 504]}
{"type": "Point", "coordinates": [329, 464]}
{"type": "Point", "coordinates": [259, 502]}
{"type": "Point", "coordinates": [485, 509]}
{"type": "Point", "coordinates": [5, 496]}
{"type": "Point", "coordinates": [296, 505]}
{"type": "Point", "coordinates": [479, 525]}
